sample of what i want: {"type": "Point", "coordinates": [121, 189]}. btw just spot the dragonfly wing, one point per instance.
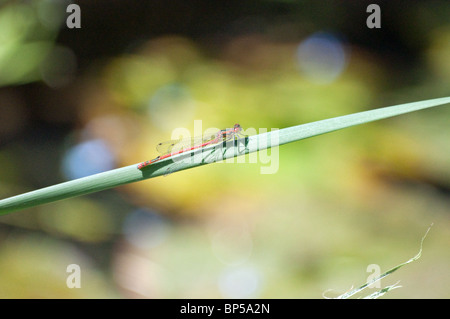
{"type": "Point", "coordinates": [166, 147]}
{"type": "Point", "coordinates": [208, 138]}
{"type": "Point", "coordinates": [178, 145]}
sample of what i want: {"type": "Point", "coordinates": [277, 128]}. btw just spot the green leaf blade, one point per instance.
{"type": "Point", "coordinates": [206, 155]}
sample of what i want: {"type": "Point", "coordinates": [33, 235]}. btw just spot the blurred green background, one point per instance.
{"type": "Point", "coordinates": [74, 102]}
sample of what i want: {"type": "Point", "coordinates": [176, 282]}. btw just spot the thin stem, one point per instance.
{"type": "Point", "coordinates": [206, 155]}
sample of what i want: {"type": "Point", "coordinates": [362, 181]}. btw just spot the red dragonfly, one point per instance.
{"type": "Point", "coordinates": [174, 147]}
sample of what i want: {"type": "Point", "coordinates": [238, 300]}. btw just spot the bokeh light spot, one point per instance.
{"type": "Point", "coordinates": [321, 57]}
{"type": "Point", "coordinates": [145, 229]}
{"type": "Point", "coordinates": [241, 282]}
{"type": "Point", "coordinates": [87, 158]}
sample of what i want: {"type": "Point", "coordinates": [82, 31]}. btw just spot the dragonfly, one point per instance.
{"type": "Point", "coordinates": [174, 147]}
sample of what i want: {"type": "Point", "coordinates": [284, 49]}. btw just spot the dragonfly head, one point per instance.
{"type": "Point", "coordinates": [237, 128]}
